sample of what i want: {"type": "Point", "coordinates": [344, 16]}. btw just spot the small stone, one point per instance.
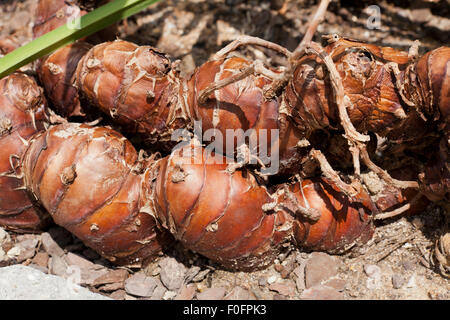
{"type": "Point", "coordinates": [187, 292]}
{"type": "Point", "coordinates": [337, 284]}
{"type": "Point", "coordinates": [57, 266]}
{"type": "Point", "coordinates": [4, 236]}
{"type": "Point", "coordinates": [28, 243]}
{"type": "Point", "coordinates": [140, 285]}
{"type": "Point", "coordinates": [397, 281]}
{"type": "Point", "coordinates": [191, 273]}
{"type": "Point", "coordinates": [87, 271]}
{"type": "Point", "coordinates": [88, 276]}
{"type": "Point", "coordinates": [76, 260]}
{"type": "Point", "coordinates": [372, 271]}
{"type": "Point", "coordinates": [239, 293]}
{"type": "Point", "coordinates": [26, 254]}
{"type": "Point", "coordinates": [6, 246]}
{"type": "Point", "coordinates": [129, 297]}
{"type": "Point", "coordinates": [113, 276]}
{"type": "Point", "coordinates": [26, 236]}
{"type": "Point", "coordinates": [118, 295]}
{"type": "Point", "coordinates": [374, 276]}
{"type": "Point", "coordinates": [262, 281]}
{"type": "Point", "coordinates": [14, 252]}
{"type": "Point", "coordinates": [159, 292]}
{"type": "Point", "coordinates": [172, 273]}
{"type": "Point", "coordinates": [3, 256]}
{"type": "Point", "coordinates": [288, 266]}
{"type": "Point", "coordinates": [50, 245]}
{"type": "Point", "coordinates": [409, 265]}
{"type": "Point", "coordinates": [272, 279]}
{"type": "Point", "coordinates": [319, 267]}
{"type": "Point", "coordinates": [278, 296]}
{"type": "Point", "coordinates": [169, 295]}
{"type": "Point", "coordinates": [226, 32]}
{"type": "Point", "coordinates": [411, 282]}
{"type": "Point", "coordinates": [111, 287]}
{"type": "Point", "coordinates": [153, 270]}
{"type": "Point", "coordinates": [201, 275]}
{"type": "Point", "coordinates": [212, 294]}
{"type": "Point", "coordinates": [286, 288]}
{"type": "Point", "coordinates": [321, 292]}
{"type": "Point", "coordinates": [27, 247]}
{"type": "Point", "coordinates": [299, 273]}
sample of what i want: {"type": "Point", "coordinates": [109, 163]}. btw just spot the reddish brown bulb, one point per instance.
{"type": "Point", "coordinates": [343, 222]}
{"type": "Point", "coordinates": [242, 107]}
{"type": "Point", "coordinates": [51, 14]}
{"type": "Point", "coordinates": [57, 70]}
{"type": "Point", "coordinates": [432, 94]}
{"type": "Point", "coordinates": [57, 74]}
{"type": "Point", "coordinates": [87, 178]}
{"type": "Point", "coordinates": [136, 86]}
{"type": "Point", "coordinates": [435, 178]}
{"type": "Point", "coordinates": [22, 114]}
{"type": "Point", "coordinates": [376, 104]}
{"type": "Point", "coordinates": [218, 213]}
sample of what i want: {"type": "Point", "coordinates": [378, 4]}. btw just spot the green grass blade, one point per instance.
{"type": "Point", "coordinates": [80, 27]}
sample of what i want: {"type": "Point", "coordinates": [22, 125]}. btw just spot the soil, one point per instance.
{"type": "Point", "coordinates": [395, 264]}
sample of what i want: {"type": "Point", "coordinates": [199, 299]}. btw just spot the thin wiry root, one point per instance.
{"type": "Point", "coordinates": [315, 21]}
{"type": "Point", "coordinates": [246, 157]}
{"type": "Point", "coordinates": [11, 174]}
{"type": "Point", "coordinates": [442, 255]}
{"type": "Point", "coordinates": [254, 41]}
{"type": "Point", "coordinates": [24, 141]}
{"type": "Point", "coordinates": [342, 100]}
{"type": "Point", "coordinates": [255, 68]}
{"type": "Point", "coordinates": [383, 174]}
{"type": "Point", "coordinates": [398, 211]}
{"type": "Point", "coordinates": [204, 94]}
{"type": "Point", "coordinates": [291, 204]}
{"type": "Point", "coordinates": [306, 211]}
{"type": "Point", "coordinates": [331, 174]}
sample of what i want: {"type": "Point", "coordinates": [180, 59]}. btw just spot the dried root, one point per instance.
{"type": "Point", "coordinates": [441, 254]}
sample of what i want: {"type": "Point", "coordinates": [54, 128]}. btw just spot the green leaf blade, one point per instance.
{"type": "Point", "coordinates": [70, 32]}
